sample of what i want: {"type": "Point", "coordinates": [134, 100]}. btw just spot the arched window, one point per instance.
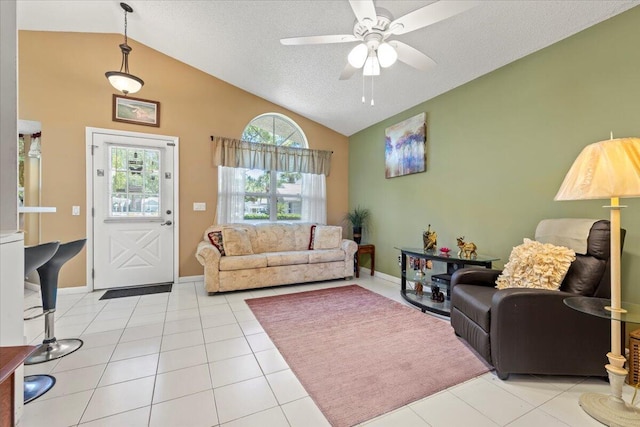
{"type": "Point", "coordinates": [267, 195]}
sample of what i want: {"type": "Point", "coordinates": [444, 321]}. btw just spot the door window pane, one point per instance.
{"type": "Point", "coordinates": [135, 182]}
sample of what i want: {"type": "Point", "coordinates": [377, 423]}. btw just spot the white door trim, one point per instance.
{"type": "Point", "coordinates": [90, 131]}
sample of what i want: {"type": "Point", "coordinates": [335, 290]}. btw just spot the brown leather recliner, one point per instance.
{"type": "Point", "coordinates": [531, 331]}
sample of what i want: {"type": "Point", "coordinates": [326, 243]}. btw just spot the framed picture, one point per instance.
{"type": "Point", "coordinates": [404, 151]}
{"type": "Point", "coordinates": [135, 110]}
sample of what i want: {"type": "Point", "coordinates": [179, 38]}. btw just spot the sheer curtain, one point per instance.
{"type": "Point", "coordinates": [314, 198]}
{"type": "Point", "coordinates": [230, 195]}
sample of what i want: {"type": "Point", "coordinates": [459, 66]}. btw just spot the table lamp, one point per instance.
{"type": "Point", "coordinates": [608, 170]}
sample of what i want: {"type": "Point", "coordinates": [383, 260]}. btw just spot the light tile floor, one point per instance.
{"type": "Point", "coordinates": [188, 359]}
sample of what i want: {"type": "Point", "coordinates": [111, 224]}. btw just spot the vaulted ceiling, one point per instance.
{"type": "Point", "coordinates": [239, 42]}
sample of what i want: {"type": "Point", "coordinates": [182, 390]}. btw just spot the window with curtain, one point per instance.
{"type": "Point", "coordinates": [266, 194]}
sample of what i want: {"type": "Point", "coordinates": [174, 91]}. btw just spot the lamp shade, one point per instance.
{"type": "Point", "coordinates": [604, 170]}
{"type": "Point", "coordinates": [387, 55]}
{"type": "Point", "coordinates": [358, 55]}
{"type": "Point", "coordinates": [124, 82]}
{"type": "Point", "coordinates": [371, 66]}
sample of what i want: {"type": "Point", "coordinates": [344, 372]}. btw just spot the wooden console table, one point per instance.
{"type": "Point", "coordinates": [365, 249]}
{"type": "Point", "coordinates": [10, 359]}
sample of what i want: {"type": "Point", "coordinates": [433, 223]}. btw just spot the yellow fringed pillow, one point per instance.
{"type": "Point", "coordinates": [536, 265]}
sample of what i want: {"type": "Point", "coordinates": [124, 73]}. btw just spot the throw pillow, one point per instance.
{"type": "Point", "coordinates": [215, 237]}
{"type": "Point", "coordinates": [236, 241]}
{"type": "Point", "coordinates": [536, 265]}
{"type": "Point", "coordinates": [327, 237]}
{"type": "Point", "coordinates": [312, 236]}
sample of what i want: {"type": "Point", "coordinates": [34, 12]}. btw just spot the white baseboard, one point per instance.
{"type": "Point", "coordinates": [366, 272]}
{"type": "Point", "coordinates": [31, 286]}
{"type": "Point", "coordinates": [185, 279]}
{"type": "Point", "coordinates": [67, 291]}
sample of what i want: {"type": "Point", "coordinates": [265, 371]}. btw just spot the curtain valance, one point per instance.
{"type": "Point", "coordinates": [236, 153]}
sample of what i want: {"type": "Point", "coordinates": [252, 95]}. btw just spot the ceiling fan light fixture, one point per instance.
{"type": "Point", "coordinates": [358, 55]}
{"type": "Point", "coordinates": [387, 55]}
{"type": "Point", "coordinates": [371, 66]}
{"type": "Point", "coordinates": [122, 80]}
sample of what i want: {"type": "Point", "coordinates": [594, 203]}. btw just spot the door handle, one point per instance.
{"type": "Point", "coordinates": [168, 222]}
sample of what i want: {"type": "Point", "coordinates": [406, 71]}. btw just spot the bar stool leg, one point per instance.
{"type": "Point", "coordinates": [52, 348]}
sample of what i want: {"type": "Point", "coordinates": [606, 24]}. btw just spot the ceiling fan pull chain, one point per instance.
{"type": "Point", "coordinates": [363, 99]}
{"type": "Point", "coordinates": [372, 91]}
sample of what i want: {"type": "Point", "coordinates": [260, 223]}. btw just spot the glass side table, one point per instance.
{"type": "Point", "coordinates": [609, 409]}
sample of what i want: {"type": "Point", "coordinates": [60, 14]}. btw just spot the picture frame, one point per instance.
{"type": "Point", "coordinates": [405, 151]}
{"type": "Point", "coordinates": [136, 111]}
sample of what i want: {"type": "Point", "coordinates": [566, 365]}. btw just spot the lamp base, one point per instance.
{"type": "Point", "coordinates": [610, 410]}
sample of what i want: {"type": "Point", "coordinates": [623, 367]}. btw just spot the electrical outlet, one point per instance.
{"type": "Point", "coordinates": [199, 206]}
{"type": "Point", "coordinates": [75, 210]}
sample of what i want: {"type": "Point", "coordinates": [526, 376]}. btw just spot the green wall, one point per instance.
{"type": "Point", "coordinates": [499, 147]}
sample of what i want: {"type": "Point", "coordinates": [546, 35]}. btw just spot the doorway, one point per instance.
{"type": "Point", "coordinates": [132, 218]}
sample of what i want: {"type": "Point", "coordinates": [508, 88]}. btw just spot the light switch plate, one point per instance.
{"type": "Point", "coordinates": [199, 206]}
{"type": "Point", "coordinates": [75, 210]}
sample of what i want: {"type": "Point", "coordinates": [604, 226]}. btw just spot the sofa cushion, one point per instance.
{"type": "Point", "coordinates": [287, 258]}
{"type": "Point", "coordinates": [236, 241]}
{"type": "Point", "coordinates": [325, 255]}
{"type": "Point", "coordinates": [327, 237]}
{"type": "Point", "coordinates": [275, 238]}
{"type": "Point", "coordinates": [242, 262]}
{"type": "Point", "coordinates": [475, 303]}
{"type": "Point", "coordinates": [536, 265]}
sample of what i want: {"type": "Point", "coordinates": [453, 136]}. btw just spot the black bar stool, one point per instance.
{"type": "Point", "coordinates": [34, 257]}
{"type": "Point", "coordinates": [52, 348]}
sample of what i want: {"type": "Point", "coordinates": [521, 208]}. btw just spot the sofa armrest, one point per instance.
{"type": "Point", "coordinates": [533, 331]}
{"type": "Point", "coordinates": [474, 276]}
{"type": "Point", "coordinates": [349, 247]}
{"type": "Point", "coordinates": [206, 253]}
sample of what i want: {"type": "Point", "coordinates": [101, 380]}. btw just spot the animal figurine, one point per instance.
{"type": "Point", "coordinates": [430, 239]}
{"type": "Point", "coordinates": [419, 289]}
{"type": "Point", "coordinates": [467, 250]}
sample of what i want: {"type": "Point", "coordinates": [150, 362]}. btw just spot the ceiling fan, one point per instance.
{"type": "Point", "coordinates": [372, 29]}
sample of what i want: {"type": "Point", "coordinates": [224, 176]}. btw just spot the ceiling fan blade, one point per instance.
{"type": "Point", "coordinates": [429, 15]}
{"type": "Point", "coordinates": [365, 11]}
{"type": "Point", "coordinates": [338, 38]}
{"type": "Point", "coordinates": [348, 71]}
{"type": "Point", "coordinates": [411, 56]}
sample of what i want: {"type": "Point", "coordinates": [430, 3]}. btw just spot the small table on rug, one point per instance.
{"type": "Point", "coordinates": [365, 249]}
{"type": "Point", "coordinates": [422, 299]}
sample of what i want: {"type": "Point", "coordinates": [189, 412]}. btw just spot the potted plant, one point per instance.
{"type": "Point", "coordinates": [358, 218]}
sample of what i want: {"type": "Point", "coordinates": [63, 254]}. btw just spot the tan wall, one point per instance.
{"type": "Point", "coordinates": [62, 85]}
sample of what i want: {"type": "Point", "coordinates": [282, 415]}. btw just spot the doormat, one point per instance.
{"type": "Point", "coordinates": [136, 291]}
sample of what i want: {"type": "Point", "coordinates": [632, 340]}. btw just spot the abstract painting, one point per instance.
{"type": "Point", "coordinates": [404, 151]}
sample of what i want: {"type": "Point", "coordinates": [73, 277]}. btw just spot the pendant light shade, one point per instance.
{"type": "Point", "coordinates": [122, 80]}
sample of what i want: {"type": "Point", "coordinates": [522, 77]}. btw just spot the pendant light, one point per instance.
{"type": "Point", "coordinates": [122, 80]}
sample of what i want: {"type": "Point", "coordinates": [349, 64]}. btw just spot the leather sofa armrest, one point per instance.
{"type": "Point", "coordinates": [474, 276]}
{"type": "Point", "coordinates": [533, 331]}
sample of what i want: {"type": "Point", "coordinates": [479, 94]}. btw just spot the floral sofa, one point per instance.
{"type": "Point", "coordinates": [245, 256]}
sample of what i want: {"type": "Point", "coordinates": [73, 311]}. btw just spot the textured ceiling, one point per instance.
{"type": "Point", "coordinates": [238, 42]}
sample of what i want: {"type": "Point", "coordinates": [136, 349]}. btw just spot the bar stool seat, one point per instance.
{"type": "Point", "coordinates": [52, 348]}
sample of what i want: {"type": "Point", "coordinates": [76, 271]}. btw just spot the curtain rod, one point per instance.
{"type": "Point", "coordinates": [213, 137]}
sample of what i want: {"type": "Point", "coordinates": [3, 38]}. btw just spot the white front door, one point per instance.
{"type": "Point", "coordinates": [133, 209]}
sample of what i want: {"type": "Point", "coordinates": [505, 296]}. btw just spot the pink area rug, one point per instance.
{"type": "Point", "coordinates": [359, 354]}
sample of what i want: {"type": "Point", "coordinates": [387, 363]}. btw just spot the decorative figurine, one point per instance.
{"type": "Point", "coordinates": [436, 295]}
{"type": "Point", "coordinates": [467, 250]}
{"type": "Point", "coordinates": [430, 239]}
{"type": "Point", "coordinates": [419, 289]}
